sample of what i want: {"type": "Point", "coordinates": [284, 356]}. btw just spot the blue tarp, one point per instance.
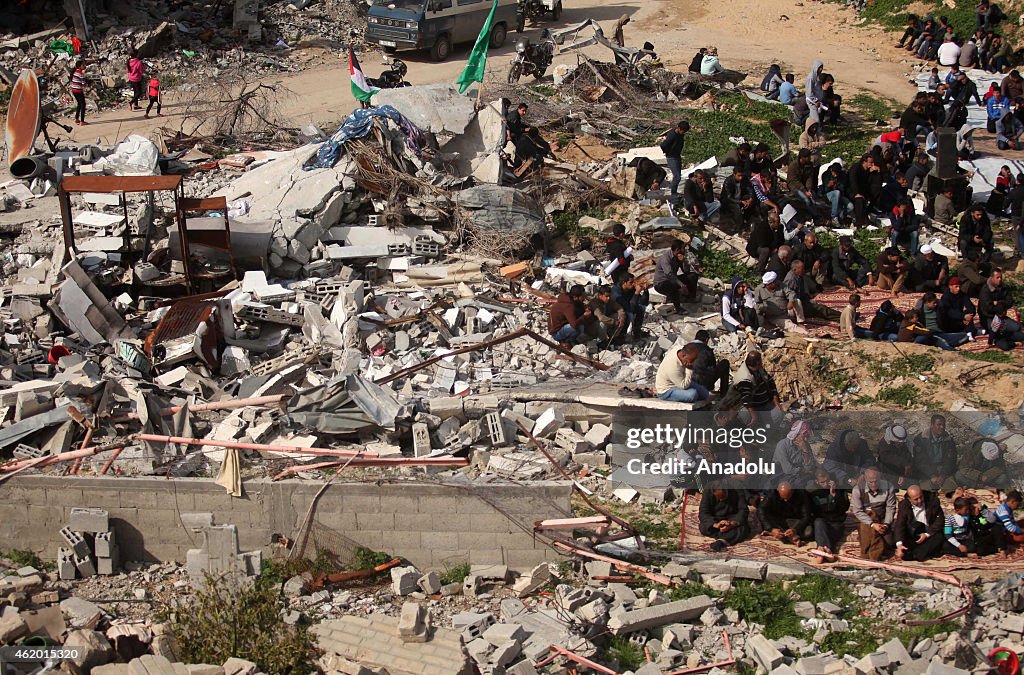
{"type": "Point", "coordinates": [358, 125]}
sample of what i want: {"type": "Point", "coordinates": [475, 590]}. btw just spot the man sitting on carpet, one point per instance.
{"type": "Point", "coordinates": [786, 514]}
{"type": "Point", "coordinates": [828, 507]}
{"type": "Point", "coordinates": [929, 271]}
{"type": "Point", "coordinates": [934, 454]}
{"type": "Point", "coordinates": [874, 506]}
{"type": "Point", "coordinates": [723, 516]}
{"type": "Point", "coordinates": [918, 525]}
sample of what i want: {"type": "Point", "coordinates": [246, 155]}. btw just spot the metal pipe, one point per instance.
{"type": "Point", "coordinates": [328, 452]}
{"type": "Point", "coordinates": [216, 405]}
{"type": "Point", "coordinates": [562, 651]}
{"type": "Point", "coordinates": [27, 167]}
{"type": "Point", "coordinates": [383, 461]}
{"type": "Point", "coordinates": [110, 461]}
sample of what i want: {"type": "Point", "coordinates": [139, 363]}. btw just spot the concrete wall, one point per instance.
{"type": "Point", "coordinates": [430, 524]}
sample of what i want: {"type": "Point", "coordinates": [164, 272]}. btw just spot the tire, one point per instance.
{"type": "Point", "coordinates": [390, 50]}
{"type": "Point", "coordinates": [442, 48]}
{"type": "Point", "coordinates": [515, 72]}
{"type": "Point", "coordinates": [556, 13]}
{"type": "Point", "coordinates": [498, 34]}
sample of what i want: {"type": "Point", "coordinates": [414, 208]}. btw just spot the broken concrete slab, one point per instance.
{"type": "Point", "coordinates": [680, 611]}
{"type": "Point", "coordinates": [438, 108]}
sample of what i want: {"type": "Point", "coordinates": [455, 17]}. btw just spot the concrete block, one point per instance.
{"type": "Point", "coordinates": [504, 654]}
{"type": "Point", "coordinates": [816, 665]}
{"type": "Point", "coordinates": [804, 610]}
{"type": "Point", "coordinates": [80, 613]}
{"type": "Point", "coordinates": [598, 435]}
{"type": "Point", "coordinates": [12, 627]}
{"type": "Point", "coordinates": [235, 666]}
{"type": "Point", "coordinates": [451, 589]}
{"type": "Point", "coordinates": [764, 652]}
{"type": "Point", "coordinates": [471, 585]}
{"type": "Point", "coordinates": [196, 521]}
{"type": "Point", "coordinates": [680, 611]}
{"type": "Point", "coordinates": [501, 633]}
{"type": "Point", "coordinates": [75, 541]}
{"type": "Point", "coordinates": [524, 667]}
{"type": "Point", "coordinates": [85, 566]}
{"type": "Point", "coordinates": [404, 580]}
{"type": "Point", "coordinates": [430, 583]}
{"type": "Point", "coordinates": [737, 569]}
{"type": "Point", "coordinates": [548, 423]}
{"type": "Point", "coordinates": [896, 651]}
{"type": "Point", "coordinates": [104, 543]}
{"type": "Point", "coordinates": [412, 623]}
{"type": "Point", "coordinates": [937, 667]}
{"type": "Point", "coordinates": [89, 520]}
{"type": "Point", "coordinates": [65, 564]}
{"type": "Point", "coordinates": [537, 579]}
{"type": "Point", "coordinates": [490, 572]}
{"type": "Point", "coordinates": [109, 564]}
{"type": "Point", "coordinates": [471, 624]}
{"type": "Point", "coordinates": [421, 439]}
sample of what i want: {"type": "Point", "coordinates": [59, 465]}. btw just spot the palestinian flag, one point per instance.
{"type": "Point", "coordinates": [360, 89]}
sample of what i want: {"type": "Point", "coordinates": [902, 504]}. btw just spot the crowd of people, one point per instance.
{"type": "Point", "coordinates": [811, 500]}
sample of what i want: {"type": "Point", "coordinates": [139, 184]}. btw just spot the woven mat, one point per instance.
{"type": "Point", "coordinates": [764, 548]}
{"type": "Point", "coordinates": [870, 300]}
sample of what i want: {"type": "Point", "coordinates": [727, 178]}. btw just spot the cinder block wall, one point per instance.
{"type": "Point", "coordinates": [430, 524]}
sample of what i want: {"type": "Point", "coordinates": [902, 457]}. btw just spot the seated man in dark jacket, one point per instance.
{"type": "Point", "coordinates": [829, 506]}
{"type": "Point", "coordinates": [956, 311]}
{"type": "Point", "coordinates": [929, 271]}
{"type": "Point", "coordinates": [849, 268]}
{"type": "Point", "coordinates": [737, 198]}
{"type": "Point", "coordinates": [816, 261]}
{"type": "Point", "coordinates": [723, 515]}
{"type": "Point", "coordinates": [709, 370]}
{"type": "Point", "coordinates": [976, 232]}
{"type": "Point", "coordinates": [786, 514]}
{"type": "Point", "coordinates": [765, 238]}
{"type": "Point", "coordinates": [918, 525]}
{"type": "Point", "coordinates": [568, 315]}
{"type": "Point", "coordinates": [699, 196]}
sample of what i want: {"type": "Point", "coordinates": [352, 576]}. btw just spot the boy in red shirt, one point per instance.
{"type": "Point", "coordinates": [154, 97]}
{"type": "Point", "coordinates": [78, 91]}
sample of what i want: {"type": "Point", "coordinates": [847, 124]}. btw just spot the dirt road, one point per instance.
{"type": "Point", "coordinates": [749, 35]}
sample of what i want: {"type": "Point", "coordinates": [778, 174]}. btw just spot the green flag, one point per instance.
{"type": "Point", "coordinates": [474, 70]}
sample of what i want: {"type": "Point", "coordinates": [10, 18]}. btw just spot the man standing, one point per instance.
{"type": "Point", "coordinates": [674, 380]}
{"type": "Point", "coordinates": [934, 454]}
{"type": "Point", "coordinates": [673, 277]}
{"type": "Point", "coordinates": [874, 506]}
{"type": "Point", "coordinates": [634, 297]}
{"type": "Point", "coordinates": [567, 316]}
{"type": "Point", "coordinates": [918, 526]}
{"type": "Point", "coordinates": [672, 146]}
{"type": "Point", "coordinates": [617, 250]}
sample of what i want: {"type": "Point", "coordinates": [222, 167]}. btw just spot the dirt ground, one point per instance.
{"type": "Point", "coordinates": [750, 35]}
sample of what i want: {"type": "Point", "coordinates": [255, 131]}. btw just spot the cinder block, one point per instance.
{"type": "Point", "coordinates": [197, 521]}
{"type": "Point", "coordinates": [109, 564]}
{"type": "Point", "coordinates": [421, 439]}
{"type": "Point", "coordinates": [65, 564]}
{"type": "Point", "coordinates": [75, 541]}
{"type": "Point", "coordinates": [85, 566]}
{"type": "Point", "coordinates": [89, 520]}
{"type": "Point", "coordinates": [680, 611]}
{"type": "Point", "coordinates": [104, 544]}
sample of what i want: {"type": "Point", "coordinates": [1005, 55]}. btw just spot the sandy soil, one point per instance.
{"type": "Point", "coordinates": [749, 35]}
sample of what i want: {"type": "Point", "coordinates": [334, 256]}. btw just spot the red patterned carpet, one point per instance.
{"type": "Point", "coordinates": [763, 548]}
{"type": "Point", "coordinates": [870, 300]}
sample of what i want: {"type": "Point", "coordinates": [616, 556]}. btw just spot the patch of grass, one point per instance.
{"type": "Point", "coordinates": [873, 107]}
{"type": "Point", "coordinates": [990, 356]}
{"type": "Point", "coordinates": [245, 621]}
{"type": "Point", "coordinates": [837, 380]}
{"type": "Point", "coordinates": [365, 559]}
{"type": "Point", "coordinates": [24, 557]}
{"type": "Point", "coordinates": [904, 395]}
{"type": "Point", "coordinates": [625, 653]}
{"type": "Point", "coordinates": [747, 107]}
{"type": "Point", "coordinates": [821, 588]}
{"type": "Point", "coordinates": [692, 589]}
{"type": "Point", "coordinates": [650, 529]}
{"type": "Point", "coordinates": [544, 89]}
{"type": "Point", "coordinates": [768, 604]}
{"type": "Point", "coordinates": [900, 366]}
{"type": "Point", "coordinates": [566, 223]}
{"type": "Point", "coordinates": [862, 638]}
{"type": "Point", "coordinates": [907, 634]}
{"type": "Point", "coordinates": [866, 242]}
{"type": "Point", "coordinates": [720, 265]}
{"type": "Point", "coordinates": [455, 574]}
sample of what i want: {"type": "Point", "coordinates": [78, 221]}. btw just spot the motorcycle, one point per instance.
{"type": "Point", "coordinates": [535, 10]}
{"type": "Point", "coordinates": [531, 59]}
{"type": "Point", "coordinates": [391, 79]}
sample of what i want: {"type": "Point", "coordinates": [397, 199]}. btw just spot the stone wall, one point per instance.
{"type": "Point", "coordinates": [430, 524]}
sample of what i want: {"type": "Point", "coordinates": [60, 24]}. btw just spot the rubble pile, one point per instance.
{"type": "Point", "coordinates": [496, 621]}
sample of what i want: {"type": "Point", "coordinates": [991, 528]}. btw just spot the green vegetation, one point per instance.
{"type": "Point", "coordinates": [821, 588]}
{"type": "Point", "coordinates": [768, 604]}
{"type": "Point", "coordinates": [873, 107]}
{"type": "Point", "coordinates": [893, 15]}
{"type": "Point", "coordinates": [867, 243]}
{"type": "Point", "coordinates": [691, 589]}
{"type": "Point", "coordinates": [838, 380]}
{"type": "Point", "coordinates": [628, 655]}
{"type": "Point", "coordinates": [900, 366]}
{"type": "Point", "coordinates": [245, 621]}
{"type": "Point", "coordinates": [862, 638]}
{"type": "Point", "coordinates": [711, 131]}
{"type": "Point", "coordinates": [990, 356]}
{"type": "Point", "coordinates": [23, 557]}
{"type": "Point", "coordinates": [365, 559]}
{"type": "Point", "coordinates": [455, 574]}
{"type": "Point", "coordinates": [908, 634]}
{"type": "Point", "coordinates": [904, 395]}
{"type": "Point", "coordinates": [544, 89]}
{"type": "Point", "coordinates": [566, 223]}
{"type": "Point", "coordinates": [720, 265]}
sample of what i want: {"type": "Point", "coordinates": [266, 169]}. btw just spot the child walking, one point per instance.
{"type": "Point", "coordinates": [154, 97]}
{"type": "Point", "coordinates": [78, 91]}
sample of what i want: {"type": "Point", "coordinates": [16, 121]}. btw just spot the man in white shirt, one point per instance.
{"type": "Point", "coordinates": [949, 53]}
{"type": "Point", "coordinates": [674, 381]}
{"type": "Point", "coordinates": [918, 526]}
